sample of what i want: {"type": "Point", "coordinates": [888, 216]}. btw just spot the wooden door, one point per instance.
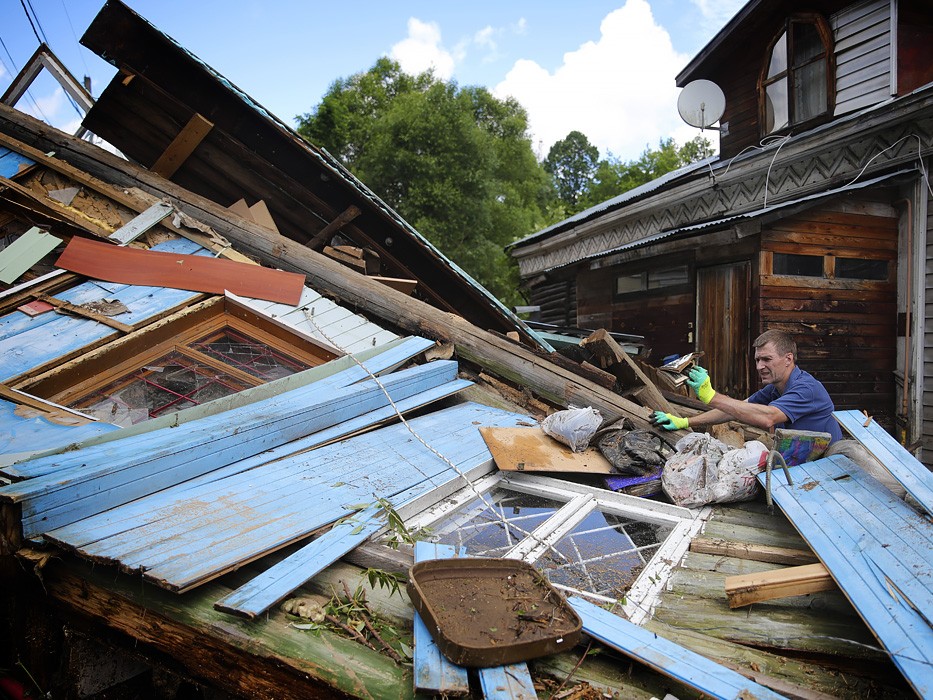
{"type": "Point", "coordinates": [722, 326]}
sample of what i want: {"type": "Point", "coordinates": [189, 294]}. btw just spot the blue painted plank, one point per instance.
{"type": "Point", "coordinates": [505, 682]}
{"type": "Point", "coordinates": [19, 435]}
{"type": "Point", "coordinates": [65, 496]}
{"type": "Point", "coordinates": [907, 469]}
{"type": "Point", "coordinates": [829, 506]}
{"type": "Point", "coordinates": [12, 162]}
{"type": "Point", "coordinates": [147, 511]}
{"type": "Point", "coordinates": [433, 672]}
{"type": "Point", "coordinates": [666, 657]}
{"type": "Point", "coordinates": [224, 530]}
{"type": "Point", "coordinates": [278, 581]}
{"type": "Point", "coordinates": [148, 442]}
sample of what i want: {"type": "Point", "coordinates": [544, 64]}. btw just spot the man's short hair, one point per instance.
{"type": "Point", "coordinates": [782, 341]}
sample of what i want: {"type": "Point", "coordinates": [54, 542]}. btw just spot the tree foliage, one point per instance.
{"type": "Point", "coordinates": [572, 163]}
{"type": "Point", "coordinates": [457, 163]}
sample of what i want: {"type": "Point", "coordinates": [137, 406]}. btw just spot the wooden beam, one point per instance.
{"type": "Point", "coordinates": [604, 346]}
{"type": "Point", "coordinates": [182, 146]}
{"type": "Point", "coordinates": [342, 219]}
{"type": "Point", "coordinates": [751, 551]}
{"type": "Point", "coordinates": [746, 589]}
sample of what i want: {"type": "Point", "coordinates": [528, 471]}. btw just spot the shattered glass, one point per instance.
{"type": "Point", "coordinates": [248, 355]}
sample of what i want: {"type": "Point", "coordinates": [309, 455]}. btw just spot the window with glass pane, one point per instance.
{"type": "Point", "coordinates": [253, 357]}
{"type": "Point", "coordinates": [796, 78]}
{"type": "Point", "coordinates": [797, 265]}
{"type": "Point", "coordinates": [171, 383]}
{"type": "Point", "coordinates": [627, 284]}
{"type": "Point", "coordinates": [853, 268]}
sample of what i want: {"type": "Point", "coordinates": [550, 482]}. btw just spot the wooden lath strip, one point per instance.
{"type": "Point", "coordinates": [182, 146]}
{"type": "Point", "coordinates": [76, 310]}
{"type": "Point", "coordinates": [746, 589]}
{"type": "Point", "coordinates": [341, 220]}
{"type": "Point", "coordinates": [718, 546]}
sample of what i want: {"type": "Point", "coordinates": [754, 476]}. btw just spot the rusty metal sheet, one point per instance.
{"type": "Point", "coordinates": [530, 450]}
{"type": "Point", "coordinates": [195, 273]}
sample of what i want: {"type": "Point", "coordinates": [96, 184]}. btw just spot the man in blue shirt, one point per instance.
{"type": "Point", "coordinates": [791, 398]}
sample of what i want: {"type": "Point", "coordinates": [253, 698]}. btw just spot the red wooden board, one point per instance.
{"type": "Point", "coordinates": [192, 272]}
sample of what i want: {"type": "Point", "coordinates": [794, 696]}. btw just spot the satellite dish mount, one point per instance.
{"type": "Point", "coordinates": [701, 104]}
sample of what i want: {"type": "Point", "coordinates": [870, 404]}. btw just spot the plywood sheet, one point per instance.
{"type": "Point", "coordinates": [192, 272]}
{"type": "Point", "coordinates": [531, 450]}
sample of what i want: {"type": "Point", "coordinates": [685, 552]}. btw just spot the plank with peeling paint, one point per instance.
{"type": "Point", "coordinates": [666, 657]}
{"type": "Point", "coordinates": [507, 682]}
{"type": "Point", "coordinates": [435, 673]}
{"type": "Point", "coordinates": [907, 469]}
{"type": "Point", "coordinates": [11, 162]}
{"type": "Point", "coordinates": [869, 540]}
{"type": "Point", "coordinates": [175, 454]}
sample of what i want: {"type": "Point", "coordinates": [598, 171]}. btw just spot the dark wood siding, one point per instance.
{"type": "Point", "coordinates": [845, 328]}
{"type": "Point", "coordinates": [927, 436]}
{"type": "Point", "coordinates": [558, 302]}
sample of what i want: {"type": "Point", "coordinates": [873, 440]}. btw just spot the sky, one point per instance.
{"type": "Point", "coordinates": [600, 67]}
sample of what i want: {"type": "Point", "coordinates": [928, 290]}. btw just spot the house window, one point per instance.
{"type": "Point", "coordinates": [798, 265]}
{"type": "Point", "coordinates": [829, 267]}
{"type": "Point", "coordinates": [796, 84]}
{"type": "Point", "coordinates": [610, 546]}
{"type": "Point", "coordinates": [218, 349]}
{"type": "Point", "coordinates": [856, 269]}
{"type": "Point", "coordinates": [652, 279]}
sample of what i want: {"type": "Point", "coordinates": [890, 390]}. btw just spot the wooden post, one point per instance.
{"type": "Point", "coordinates": [341, 220]}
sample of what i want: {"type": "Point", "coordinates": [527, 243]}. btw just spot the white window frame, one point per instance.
{"type": "Point", "coordinates": [579, 501]}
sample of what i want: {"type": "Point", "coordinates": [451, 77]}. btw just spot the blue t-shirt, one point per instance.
{"type": "Point", "coordinates": [805, 402]}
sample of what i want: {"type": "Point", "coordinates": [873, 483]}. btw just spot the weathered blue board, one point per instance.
{"type": "Point", "coordinates": [878, 549]}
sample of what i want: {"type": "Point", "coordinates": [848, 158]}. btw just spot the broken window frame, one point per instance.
{"type": "Point", "coordinates": [828, 267]}
{"type": "Point", "coordinates": [176, 333]}
{"type": "Point", "coordinates": [579, 501]}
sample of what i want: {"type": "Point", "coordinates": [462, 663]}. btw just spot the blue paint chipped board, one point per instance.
{"type": "Point", "coordinates": [907, 469]}
{"type": "Point", "coordinates": [67, 495]}
{"type": "Point", "coordinates": [20, 435]}
{"type": "Point", "coordinates": [278, 581]}
{"type": "Point", "coordinates": [433, 672]}
{"type": "Point", "coordinates": [878, 549]}
{"type": "Point", "coordinates": [150, 510]}
{"type": "Point", "coordinates": [666, 657]}
{"type": "Point", "coordinates": [338, 373]}
{"type": "Point", "coordinates": [28, 249]}
{"type": "Point", "coordinates": [12, 163]}
{"type": "Point", "coordinates": [199, 537]}
{"type": "Point", "coordinates": [505, 682]}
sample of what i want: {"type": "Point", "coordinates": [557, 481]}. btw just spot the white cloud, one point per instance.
{"type": "Point", "coordinates": [619, 90]}
{"type": "Point", "coordinates": [485, 37]}
{"type": "Point", "coordinates": [717, 13]}
{"type": "Point", "coordinates": [422, 50]}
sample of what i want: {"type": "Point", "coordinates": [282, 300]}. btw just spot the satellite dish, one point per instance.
{"type": "Point", "coordinates": [701, 103]}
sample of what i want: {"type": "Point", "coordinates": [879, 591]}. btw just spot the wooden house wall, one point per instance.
{"type": "Point", "coordinates": [846, 329]}
{"type": "Point", "coordinates": [665, 317]}
{"type": "Point", "coordinates": [862, 35]}
{"type": "Point", "coordinates": [927, 435]}
{"type": "Point", "coordinates": [914, 37]}
{"type": "Point", "coordinates": [558, 301]}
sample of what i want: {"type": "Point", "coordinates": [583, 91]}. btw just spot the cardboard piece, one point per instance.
{"type": "Point", "coordinates": [531, 450]}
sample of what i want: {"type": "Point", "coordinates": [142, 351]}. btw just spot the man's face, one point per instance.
{"type": "Point", "coordinates": [773, 368]}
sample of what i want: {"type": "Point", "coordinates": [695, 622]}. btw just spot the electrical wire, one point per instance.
{"type": "Point", "coordinates": [26, 12]}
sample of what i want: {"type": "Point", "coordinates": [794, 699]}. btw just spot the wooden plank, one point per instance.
{"type": "Point", "coordinates": [143, 512]}
{"type": "Point", "coordinates": [182, 146]}
{"type": "Point", "coordinates": [531, 450]}
{"type": "Point", "coordinates": [670, 659]}
{"type": "Point", "coordinates": [842, 511]}
{"type": "Point", "coordinates": [278, 581]}
{"type": "Point", "coordinates": [604, 345]}
{"type": "Point", "coordinates": [69, 494]}
{"type": "Point", "coordinates": [12, 163]}
{"type": "Point", "coordinates": [341, 372]}
{"type": "Point", "coordinates": [746, 589]}
{"type": "Point", "coordinates": [191, 272]}
{"type": "Point", "coordinates": [84, 313]}
{"type": "Point", "coordinates": [341, 220]}
{"type": "Point", "coordinates": [754, 552]}
{"type": "Point", "coordinates": [907, 469]}
{"type": "Point", "coordinates": [153, 216]}
{"type": "Point", "coordinates": [28, 249]}
{"type": "Point", "coordinates": [433, 672]}
{"type": "Point", "coordinates": [504, 682]}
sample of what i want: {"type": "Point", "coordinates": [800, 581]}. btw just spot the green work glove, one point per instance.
{"type": "Point", "coordinates": [698, 380]}
{"type": "Point", "coordinates": [669, 421]}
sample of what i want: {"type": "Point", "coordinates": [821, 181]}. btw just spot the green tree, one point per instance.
{"type": "Point", "coordinates": [572, 163]}
{"type": "Point", "coordinates": [457, 163]}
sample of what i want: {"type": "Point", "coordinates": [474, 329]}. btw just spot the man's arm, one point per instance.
{"type": "Point", "coordinates": [756, 414]}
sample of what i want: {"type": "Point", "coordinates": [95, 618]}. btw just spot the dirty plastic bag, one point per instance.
{"type": "Point", "coordinates": [704, 470]}
{"type": "Point", "coordinates": [573, 427]}
{"type": "Point", "coordinates": [632, 451]}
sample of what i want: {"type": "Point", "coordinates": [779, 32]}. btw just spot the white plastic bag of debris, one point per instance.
{"type": "Point", "coordinates": [573, 427]}
{"type": "Point", "coordinates": [704, 470]}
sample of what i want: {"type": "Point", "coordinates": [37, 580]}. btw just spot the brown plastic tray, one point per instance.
{"type": "Point", "coordinates": [491, 612]}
